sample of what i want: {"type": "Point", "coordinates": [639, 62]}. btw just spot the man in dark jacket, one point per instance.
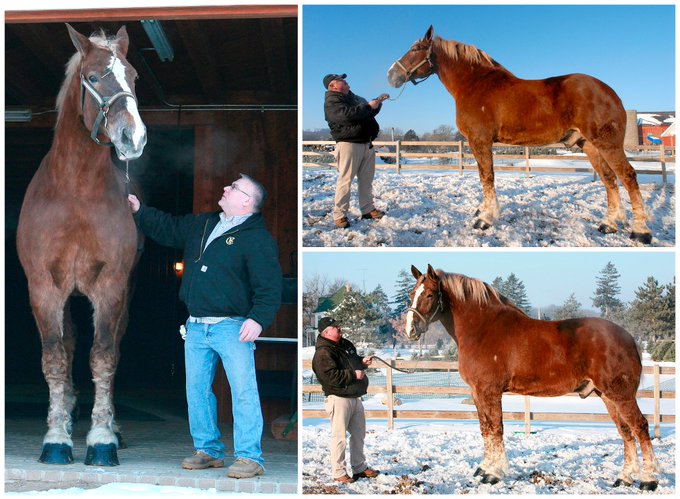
{"type": "Point", "coordinates": [353, 126]}
{"type": "Point", "coordinates": [232, 288]}
{"type": "Point", "coordinates": [340, 370]}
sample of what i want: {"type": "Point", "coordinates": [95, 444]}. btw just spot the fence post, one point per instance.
{"type": "Point", "coordinates": [657, 401]}
{"type": "Point", "coordinates": [526, 158]}
{"type": "Point", "coordinates": [527, 415]}
{"type": "Point", "coordinates": [662, 158]}
{"type": "Point", "coordinates": [460, 156]}
{"type": "Point", "coordinates": [398, 157]}
{"type": "Point", "coordinates": [390, 397]}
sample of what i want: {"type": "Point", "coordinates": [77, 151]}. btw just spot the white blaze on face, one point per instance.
{"type": "Point", "coordinates": [410, 314]}
{"type": "Point", "coordinates": [118, 70]}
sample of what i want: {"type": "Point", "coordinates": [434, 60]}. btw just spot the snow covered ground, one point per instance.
{"type": "Point", "coordinates": [120, 490]}
{"type": "Point", "coordinates": [434, 209]}
{"type": "Point", "coordinates": [440, 458]}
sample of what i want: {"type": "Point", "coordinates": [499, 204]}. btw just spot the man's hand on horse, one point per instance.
{"type": "Point", "coordinates": [134, 203]}
{"type": "Point", "coordinates": [250, 330]}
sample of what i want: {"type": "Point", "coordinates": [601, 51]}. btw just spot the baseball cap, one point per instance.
{"type": "Point", "coordinates": [330, 77]}
{"type": "Point", "coordinates": [325, 322]}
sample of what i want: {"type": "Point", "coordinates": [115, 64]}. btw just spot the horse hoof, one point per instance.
{"type": "Point", "coordinates": [481, 224]}
{"type": "Point", "coordinates": [620, 482]}
{"type": "Point", "coordinates": [477, 213]}
{"type": "Point", "coordinates": [121, 442]}
{"type": "Point", "coordinates": [606, 229]}
{"type": "Point", "coordinates": [648, 485]}
{"type": "Point", "coordinates": [490, 479]}
{"type": "Point", "coordinates": [56, 454]}
{"type": "Point", "coordinates": [642, 237]}
{"type": "Point", "coordinates": [478, 471]}
{"type": "Point", "coordinates": [101, 455]}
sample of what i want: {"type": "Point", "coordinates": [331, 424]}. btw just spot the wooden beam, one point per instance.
{"type": "Point", "coordinates": [160, 13]}
{"type": "Point", "coordinates": [202, 57]}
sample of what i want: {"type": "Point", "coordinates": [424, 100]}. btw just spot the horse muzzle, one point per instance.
{"type": "Point", "coordinates": [395, 76]}
{"type": "Point", "coordinates": [129, 140]}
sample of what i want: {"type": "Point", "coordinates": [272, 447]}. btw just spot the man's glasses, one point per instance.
{"type": "Point", "coordinates": [235, 186]}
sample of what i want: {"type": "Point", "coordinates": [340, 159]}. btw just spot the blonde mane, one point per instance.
{"type": "Point", "coordinates": [468, 289]}
{"type": "Point", "coordinates": [470, 53]}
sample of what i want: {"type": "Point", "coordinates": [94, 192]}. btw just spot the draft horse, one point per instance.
{"type": "Point", "coordinates": [493, 105]}
{"type": "Point", "coordinates": [501, 349]}
{"type": "Point", "coordinates": [76, 236]}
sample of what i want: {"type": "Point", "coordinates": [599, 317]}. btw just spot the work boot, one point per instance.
{"type": "Point", "coordinates": [244, 468]}
{"type": "Point", "coordinates": [200, 461]}
{"type": "Point", "coordinates": [373, 215]}
{"type": "Point", "coordinates": [367, 473]}
{"type": "Point", "coordinates": [345, 479]}
{"type": "Point", "coordinates": [342, 223]}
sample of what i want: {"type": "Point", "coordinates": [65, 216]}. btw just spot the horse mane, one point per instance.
{"type": "Point", "coordinates": [470, 53]}
{"type": "Point", "coordinates": [72, 66]}
{"type": "Point", "coordinates": [465, 289]}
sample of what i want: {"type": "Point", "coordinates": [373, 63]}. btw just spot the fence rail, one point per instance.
{"type": "Point", "coordinates": [390, 390]}
{"type": "Point", "coordinates": [460, 152]}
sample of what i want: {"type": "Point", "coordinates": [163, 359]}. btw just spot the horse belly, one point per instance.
{"type": "Point", "coordinates": [543, 384]}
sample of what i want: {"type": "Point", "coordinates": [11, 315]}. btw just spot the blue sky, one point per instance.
{"type": "Point", "coordinates": [549, 276]}
{"type": "Point", "coordinates": [631, 48]}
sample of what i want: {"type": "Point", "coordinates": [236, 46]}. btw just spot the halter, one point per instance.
{"type": "Point", "coordinates": [104, 104]}
{"type": "Point", "coordinates": [439, 308]}
{"type": "Point", "coordinates": [409, 72]}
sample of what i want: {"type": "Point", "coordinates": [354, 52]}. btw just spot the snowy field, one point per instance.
{"type": "Point", "coordinates": [440, 458]}
{"type": "Point", "coordinates": [120, 490]}
{"type": "Point", "coordinates": [435, 209]}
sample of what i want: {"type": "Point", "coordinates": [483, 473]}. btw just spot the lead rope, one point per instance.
{"type": "Point", "coordinates": [392, 367]}
{"type": "Point", "coordinates": [127, 178]}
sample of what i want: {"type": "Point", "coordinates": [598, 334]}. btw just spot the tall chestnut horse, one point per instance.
{"type": "Point", "coordinates": [501, 349]}
{"type": "Point", "coordinates": [493, 105]}
{"type": "Point", "coordinates": [76, 236]}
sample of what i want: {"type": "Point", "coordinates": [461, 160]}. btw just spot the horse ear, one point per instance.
{"type": "Point", "coordinates": [122, 40]}
{"type": "Point", "coordinates": [416, 273]}
{"type": "Point", "coordinates": [80, 42]}
{"type": "Point", "coordinates": [431, 273]}
{"type": "Point", "coordinates": [429, 33]}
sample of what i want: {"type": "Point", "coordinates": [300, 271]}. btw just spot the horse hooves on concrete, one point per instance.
{"type": "Point", "coordinates": [101, 455]}
{"type": "Point", "coordinates": [490, 479]}
{"type": "Point", "coordinates": [648, 485]}
{"type": "Point", "coordinates": [478, 471]}
{"type": "Point", "coordinates": [620, 482]}
{"type": "Point", "coordinates": [642, 237]}
{"type": "Point", "coordinates": [606, 229]}
{"type": "Point", "coordinates": [121, 443]}
{"type": "Point", "coordinates": [481, 224]}
{"type": "Point", "coordinates": [56, 454]}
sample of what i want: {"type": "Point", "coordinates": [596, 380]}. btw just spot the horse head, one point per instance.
{"type": "Point", "coordinates": [108, 104]}
{"type": "Point", "coordinates": [416, 65]}
{"type": "Point", "coordinates": [426, 302]}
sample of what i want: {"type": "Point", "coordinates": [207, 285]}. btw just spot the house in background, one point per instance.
{"type": "Point", "coordinates": [656, 128]}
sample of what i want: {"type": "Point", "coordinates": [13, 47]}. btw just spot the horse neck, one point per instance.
{"type": "Point", "coordinates": [73, 151]}
{"type": "Point", "coordinates": [467, 319]}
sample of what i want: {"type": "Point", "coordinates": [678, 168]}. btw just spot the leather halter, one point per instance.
{"type": "Point", "coordinates": [409, 72]}
{"type": "Point", "coordinates": [439, 308]}
{"type": "Point", "coordinates": [103, 103]}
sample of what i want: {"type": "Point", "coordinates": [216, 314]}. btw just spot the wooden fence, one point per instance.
{"type": "Point", "coordinates": [391, 390]}
{"type": "Point", "coordinates": [465, 160]}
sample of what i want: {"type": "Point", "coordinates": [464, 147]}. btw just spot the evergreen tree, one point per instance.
{"type": "Point", "coordinates": [569, 309]}
{"type": "Point", "coordinates": [499, 285]}
{"type": "Point", "coordinates": [351, 314]}
{"type": "Point", "coordinates": [378, 314]}
{"type": "Point", "coordinates": [516, 292]}
{"type": "Point", "coordinates": [650, 316]}
{"type": "Point", "coordinates": [403, 286]}
{"type": "Point", "coordinates": [607, 291]}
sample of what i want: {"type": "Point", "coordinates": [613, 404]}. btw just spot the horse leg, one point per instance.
{"type": "Point", "coordinates": [120, 329]}
{"type": "Point", "coordinates": [630, 460]}
{"type": "Point", "coordinates": [608, 177]}
{"type": "Point", "coordinates": [48, 309]}
{"type": "Point", "coordinates": [494, 466]}
{"type": "Point", "coordinates": [488, 211]}
{"type": "Point", "coordinates": [69, 338]}
{"type": "Point", "coordinates": [630, 413]}
{"type": "Point", "coordinates": [617, 161]}
{"type": "Point", "coordinates": [101, 439]}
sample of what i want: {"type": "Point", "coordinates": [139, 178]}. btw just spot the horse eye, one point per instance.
{"type": "Point", "coordinates": [93, 79]}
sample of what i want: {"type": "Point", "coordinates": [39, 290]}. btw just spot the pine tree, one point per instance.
{"type": "Point", "coordinates": [516, 292]}
{"type": "Point", "coordinates": [607, 291]}
{"type": "Point", "coordinates": [569, 309]}
{"type": "Point", "coordinates": [351, 314]}
{"type": "Point", "coordinates": [403, 286]}
{"type": "Point", "coordinates": [378, 314]}
{"type": "Point", "coordinates": [649, 315]}
{"type": "Point", "coordinates": [499, 285]}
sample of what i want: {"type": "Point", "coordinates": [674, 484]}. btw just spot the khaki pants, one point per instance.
{"type": "Point", "coordinates": [354, 160]}
{"type": "Point", "coordinates": [347, 415]}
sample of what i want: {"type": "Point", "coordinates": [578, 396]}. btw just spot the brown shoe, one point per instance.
{"type": "Point", "coordinates": [345, 479]}
{"type": "Point", "coordinates": [200, 461]}
{"type": "Point", "coordinates": [244, 468]}
{"type": "Point", "coordinates": [373, 215]}
{"type": "Point", "coordinates": [342, 223]}
{"type": "Point", "coordinates": [367, 473]}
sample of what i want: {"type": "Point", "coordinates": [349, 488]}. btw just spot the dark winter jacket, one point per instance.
{"type": "Point", "coordinates": [334, 365]}
{"type": "Point", "coordinates": [350, 118]}
{"type": "Point", "coordinates": [237, 275]}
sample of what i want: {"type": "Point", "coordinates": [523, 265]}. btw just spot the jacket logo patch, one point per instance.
{"type": "Point", "coordinates": [230, 240]}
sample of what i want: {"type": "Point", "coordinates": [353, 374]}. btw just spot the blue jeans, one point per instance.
{"type": "Point", "coordinates": [205, 344]}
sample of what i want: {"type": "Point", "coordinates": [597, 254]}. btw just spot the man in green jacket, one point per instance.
{"type": "Point", "coordinates": [232, 288]}
{"type": "Point", "coordinates": [340, 370]}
